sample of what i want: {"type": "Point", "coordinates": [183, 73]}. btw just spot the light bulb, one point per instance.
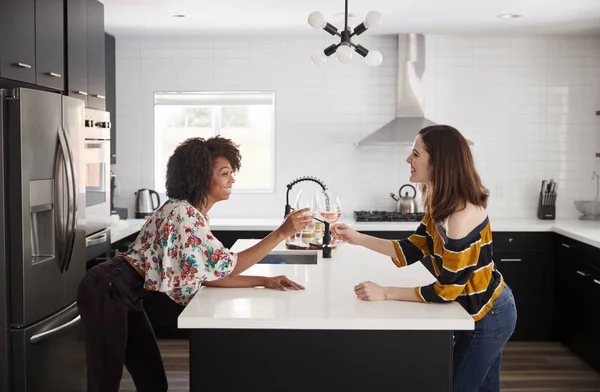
{"type": "Point", "coordinates": [374, 58]}
{"type": "Point", "coordinates": [373, 19]}
{"type": "Point", "coordinates": [319, 58]}
{"type": "Point", "coordinates": [344, 54]}
{"type": "Point", "coordinates": [317, 20]}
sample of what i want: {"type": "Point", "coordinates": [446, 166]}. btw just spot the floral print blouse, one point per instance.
{"type": "Point", "coordinates": [178, 253]}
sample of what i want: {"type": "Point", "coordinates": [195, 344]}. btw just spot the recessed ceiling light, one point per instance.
{"type": "Point", "coordinates": [176, 15]}
{"type": "Point", "coordinates": [509, 16]}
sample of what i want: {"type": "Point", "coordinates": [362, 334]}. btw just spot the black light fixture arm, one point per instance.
{"type": "Point", "coordinates": [373, 19]}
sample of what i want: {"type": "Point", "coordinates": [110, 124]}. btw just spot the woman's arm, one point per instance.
{"type": "Point", "coordinates": [379, 245]}
{"type": "Point", "coordinates": [275, 282]}
{"type": "Point", "coordinates": [403, 252]}
{"type": "Point", "coordinates": [238, 281]}
{"type": "Point", "coordinates": [295, 222]}
{"type": "Point", "coordinates": [369, 291]}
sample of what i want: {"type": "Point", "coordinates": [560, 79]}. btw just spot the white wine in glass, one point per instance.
{"type": "Point", "coordinates": [329, 207]}
{"type": "Point", "coordinates": [305, 200]}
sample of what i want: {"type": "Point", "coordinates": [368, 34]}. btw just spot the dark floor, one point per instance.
{"type": "Point", "coordinates": [526, 367]}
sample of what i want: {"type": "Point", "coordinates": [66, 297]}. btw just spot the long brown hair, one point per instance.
{"type": "Point", "coordinates": [454, 181]}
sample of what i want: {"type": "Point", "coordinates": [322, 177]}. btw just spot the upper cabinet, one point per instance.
{"type": "Point", "coordinates": [50, 44]}
{"type": "Point", "coordinates": [85, 52]}
{"type": "Point", "coordinates": [95, 55]}
{"type": "Point", "coordinates": [32, 42]}
{"type": "Point", "coordinates": [76, 14]}
{"type": "Point", "coordinates": [17, 40]}
{"type": "Point", "coordinates": [56, 44]}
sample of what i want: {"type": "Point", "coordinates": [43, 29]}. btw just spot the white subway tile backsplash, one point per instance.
{"type": "Point", "coordinates": [528, 103]}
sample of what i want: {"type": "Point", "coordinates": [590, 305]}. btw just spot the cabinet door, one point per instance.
{"type": "Point", "coordinates": [96, 55]}
{"type": "Point", "coordinates": [17, 40]}
{"type": "Point", "coordinates": [111, 96]}
{"type": "Point", "coordinates": [77, 80]}
{"type": "Point", "coordinates": [592, 319]}
{"type": "Point", "coordinates": [522, 272]}
{"type": "Point", "coordinates": [566, 264]}
{"type": "Point", "coordinates": [49, 48]}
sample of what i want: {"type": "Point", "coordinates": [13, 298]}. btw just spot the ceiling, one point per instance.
{"type": "Point", "coordinates": [151, 17]}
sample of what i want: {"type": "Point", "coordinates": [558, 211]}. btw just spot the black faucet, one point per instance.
{"type": "Point", "coordinates": [288, 209]}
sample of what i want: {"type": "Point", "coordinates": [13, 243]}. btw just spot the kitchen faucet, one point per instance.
{"type": "Point", "coordinates": [288, 209]}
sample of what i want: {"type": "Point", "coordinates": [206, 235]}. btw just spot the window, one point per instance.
{"type": "Point", "coordinates": [248, 118]}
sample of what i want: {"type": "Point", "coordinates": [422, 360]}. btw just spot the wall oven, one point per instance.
{"type": "Point", "coordinates": [97, 170]}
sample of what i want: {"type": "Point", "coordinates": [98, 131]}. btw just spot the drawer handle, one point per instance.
{"type": "Point", "coordinates": [596, 281]}
{"type": "Point", "coordinates": [566, 246]}
{"type": "Point", "coordinates": [24, 65]}
{"type": "Point", "coordinates": [54, 74]}
{"type": "Point", "coordinates": [507, 260]}
{"type": "Point", "coordinates": [81, 92]}
{"type": "Point", "coordinates": [581, 273]}
{"type": "Point", "coordinates": [100, 96]}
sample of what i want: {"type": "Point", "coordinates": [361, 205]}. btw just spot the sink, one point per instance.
{"type": "Point", "coordinates": [310, 258]}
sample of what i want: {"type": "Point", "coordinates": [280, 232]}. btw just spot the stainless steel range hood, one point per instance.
{"type": "Point", "coordinates": [410, 114]}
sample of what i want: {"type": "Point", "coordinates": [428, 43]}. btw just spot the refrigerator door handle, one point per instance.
{"type": "Point", "coordinates": [72, 208]}
{"type": "Point", "coordinates": [65, 253]}
{"type": "Point", "coordinates": [45, 335]}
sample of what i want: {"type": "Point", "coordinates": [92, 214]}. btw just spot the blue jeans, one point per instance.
{"type": "Point", "coordinates": [478, 353]}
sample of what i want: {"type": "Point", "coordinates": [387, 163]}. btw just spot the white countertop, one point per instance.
{"type": "Point", "coordinates": [585, 231]}
{"type": "Point", "coordinates": [328, 302]}
{"type": "Point", "coordinates": [124, 228]}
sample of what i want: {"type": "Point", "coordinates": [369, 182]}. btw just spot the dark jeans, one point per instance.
{"type": "Point", "coordinates": [478, 353]}
{"type": "Point", "coordinates": [117, 329]}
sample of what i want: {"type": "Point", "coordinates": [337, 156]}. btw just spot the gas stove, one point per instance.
{"type": "Point", "coordinates": [387, 216]}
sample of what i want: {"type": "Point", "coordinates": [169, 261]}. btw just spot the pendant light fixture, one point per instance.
{"type": "Point", "coordinates": [345, 49]}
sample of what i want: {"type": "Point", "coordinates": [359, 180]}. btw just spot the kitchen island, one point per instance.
{"type": "Point", "coordinates": [322, 338]}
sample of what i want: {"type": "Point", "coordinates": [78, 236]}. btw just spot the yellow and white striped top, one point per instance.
{"type": "Point", "coordinates": [464, 269]}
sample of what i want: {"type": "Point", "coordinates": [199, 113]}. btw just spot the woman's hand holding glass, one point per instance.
{"type": "Point", "coordinates": [342, 232]}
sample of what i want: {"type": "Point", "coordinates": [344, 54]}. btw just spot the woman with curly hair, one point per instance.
{"type": "Point", "coordinates": [174, 253]}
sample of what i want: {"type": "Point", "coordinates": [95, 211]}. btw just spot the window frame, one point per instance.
{"type": "Point", "coordinates": [217, 129]}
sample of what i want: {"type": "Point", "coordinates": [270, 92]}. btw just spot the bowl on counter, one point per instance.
{"type": "Point", "coordinates": [590, 209]}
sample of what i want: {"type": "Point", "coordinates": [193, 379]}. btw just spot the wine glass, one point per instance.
{"type": "Point", "coordinates": [306, 200]}
{"type": "Point", "coordinates": [330, 209]}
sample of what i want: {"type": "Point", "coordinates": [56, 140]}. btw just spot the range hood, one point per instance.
{"type": "Point", "coordinates": [410, 115]}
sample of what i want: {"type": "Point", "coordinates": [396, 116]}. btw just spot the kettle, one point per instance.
{"type": "Point", "coordinates": [144, 203]}
{"type": "Point", "coordinates": [406, 204]}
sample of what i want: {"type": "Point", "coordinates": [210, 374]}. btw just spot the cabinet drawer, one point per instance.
{"type": "Point", "coordinates": [522, 240]}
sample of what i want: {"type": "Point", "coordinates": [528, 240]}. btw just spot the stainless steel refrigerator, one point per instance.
{"type": "Point", "coordinates": [42, 241]}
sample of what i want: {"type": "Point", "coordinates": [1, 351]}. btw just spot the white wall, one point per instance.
{"type": "Point", "coordinates": [527, 103]}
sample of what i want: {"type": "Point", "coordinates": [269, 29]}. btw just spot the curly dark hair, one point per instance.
{"type": "Point", "coordinates": [190, 168]}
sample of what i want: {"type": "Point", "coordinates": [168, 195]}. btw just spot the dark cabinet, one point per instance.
{"type": "Point", "coordinates": [95, 55]}
{"type": "Point", "coordinates": [85, 52]}
{"type": "Point", "coordinates": [17, 42]}
{"type": "Point", "coordinates": [32, 44]}
{"type": "Point", "coordinates": [77, 80]}
{"type": "Point", "coordinates": [526, 261]}
{"type": "Point", "coordinates": [524, 273]}
{"type": "Point", "coordinates": [577, 299]}
{"type": "Point", "coordinates": [111, 93]}
{"type": "Point", "coordinates": [50, 43]}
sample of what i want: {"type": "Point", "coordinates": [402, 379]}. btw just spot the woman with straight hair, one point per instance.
{"type": "Point", "coordinates": [456, 235]}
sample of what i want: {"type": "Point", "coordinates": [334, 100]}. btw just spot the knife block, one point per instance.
{"type": "Point", "coordinates": [547, 206]}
